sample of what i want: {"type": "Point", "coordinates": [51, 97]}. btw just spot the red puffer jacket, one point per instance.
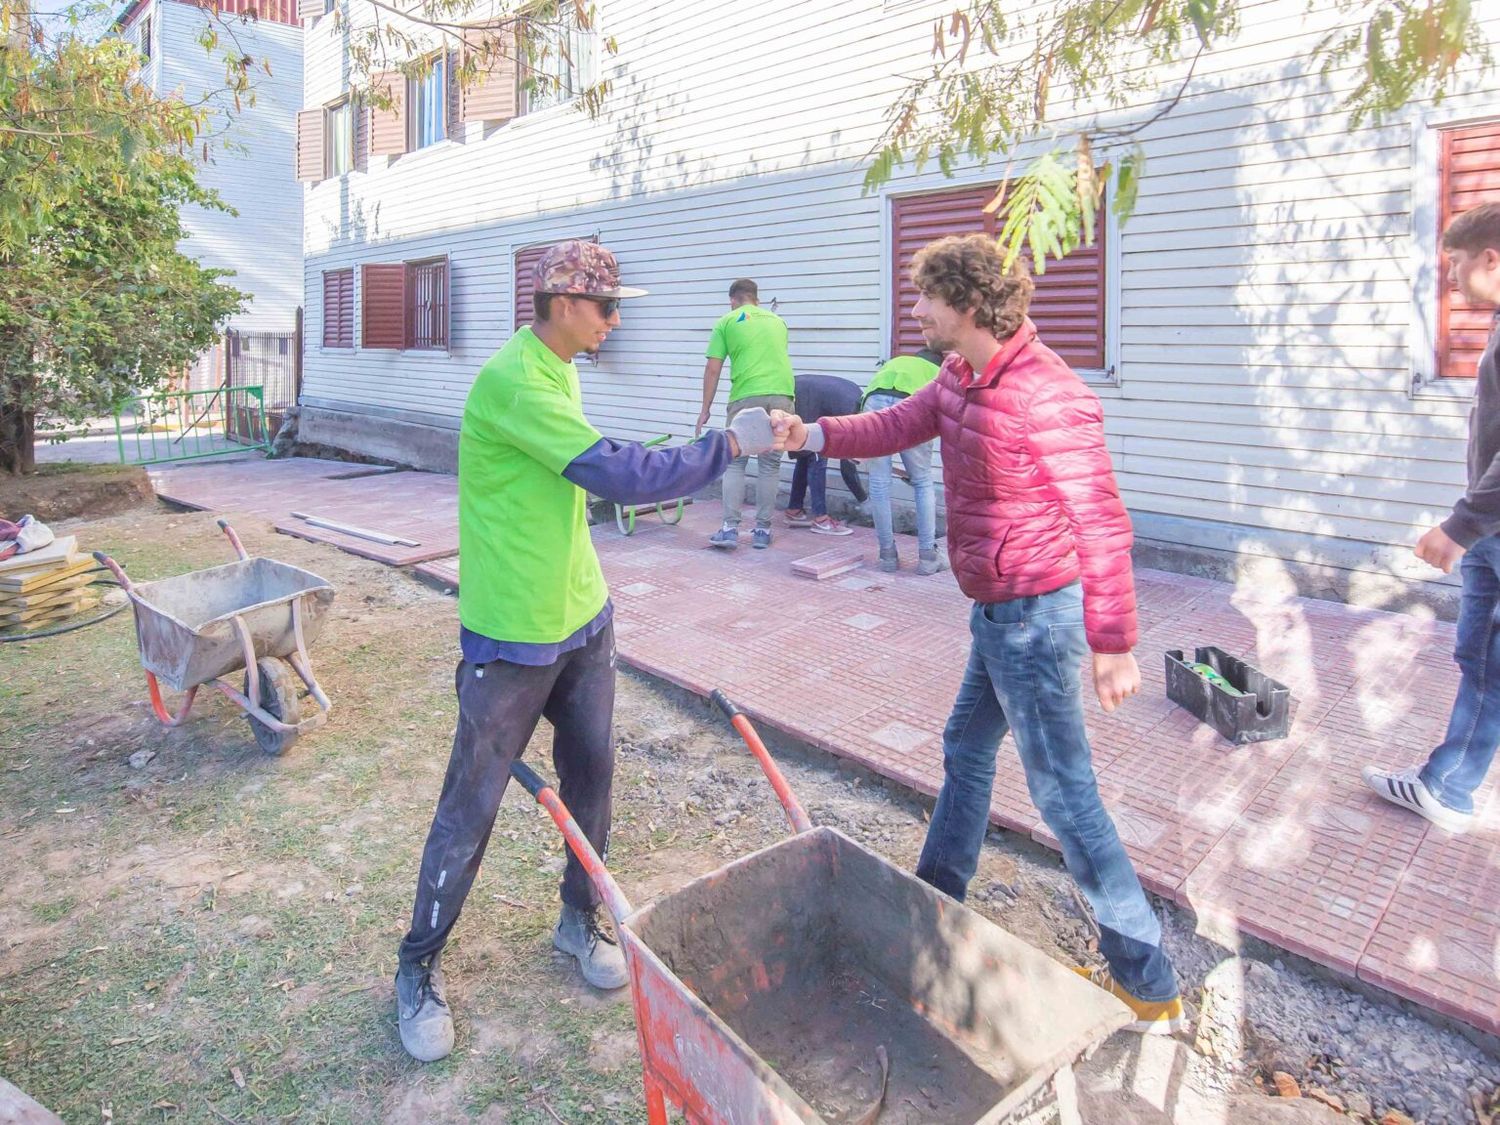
{"type": "Point", "coordinates": [1032, 499]}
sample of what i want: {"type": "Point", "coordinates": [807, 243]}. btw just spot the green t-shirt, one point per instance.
{"type": "Point", "coordinates": [529, 569]}
{"type": "Point", "coordinates": [753, 339]}
{"type": "Point", "coordinates": [907, 374]}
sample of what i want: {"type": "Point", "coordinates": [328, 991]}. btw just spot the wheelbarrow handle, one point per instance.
{"type": "Point", "coordinates": [795, 814]}
{"type": "Point", "coordinates": [234, 540]}
{"type": "Point", "coordinates": [614, 899]}
{"type": "Point", "coordinates": [114, 568]}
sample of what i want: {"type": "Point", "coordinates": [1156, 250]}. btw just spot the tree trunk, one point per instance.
{"type": "Point", "coordinates": [17, 439]}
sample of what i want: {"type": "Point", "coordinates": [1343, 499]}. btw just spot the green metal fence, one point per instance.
{"type": "Point", "coordinates": [186, 425]}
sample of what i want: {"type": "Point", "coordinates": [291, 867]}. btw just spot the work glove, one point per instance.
{"type": "Point", "coordinates": [752, 431]}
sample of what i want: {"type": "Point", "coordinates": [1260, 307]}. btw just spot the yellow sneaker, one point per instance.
{"type": "Point", "coordinates": [1152, 1017]}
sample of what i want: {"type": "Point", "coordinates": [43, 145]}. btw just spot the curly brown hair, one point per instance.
{"type": "Point", "coordinates": [967, 271]}
{"type": "Point", "coordinates": [1475, 230]}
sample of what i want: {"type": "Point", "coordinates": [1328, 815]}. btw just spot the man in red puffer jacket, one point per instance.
{"type": "Point", "coordinates": [1040, 540]}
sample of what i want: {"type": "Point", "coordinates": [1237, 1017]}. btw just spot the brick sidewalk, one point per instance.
{"type": "Point", "coordinates": [1279, 840]}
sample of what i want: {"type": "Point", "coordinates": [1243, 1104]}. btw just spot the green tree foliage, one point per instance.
{"type": "Point", "coordinates": [996, 68]}
{"type": "Point", "coordinates": [96, 298]}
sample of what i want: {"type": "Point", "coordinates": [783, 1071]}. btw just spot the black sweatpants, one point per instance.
{"type": "Point", "coordinates": [499, 705]}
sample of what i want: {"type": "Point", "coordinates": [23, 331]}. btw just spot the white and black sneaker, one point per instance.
{"type": "Point", "coordinates": [1407, 789]}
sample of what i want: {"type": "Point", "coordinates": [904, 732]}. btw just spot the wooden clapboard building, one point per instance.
{"type": "Point", "coordinates": [1283, 372]}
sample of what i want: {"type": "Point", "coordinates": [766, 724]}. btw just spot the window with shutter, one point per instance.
{"type": "Point", "coordinates": [427, 99]}
{"type": "Point", "coordinates": [388, 123]}
{"type": "Point", "coordinates": [427, 304]}
{"type": "Point", "coordinates": [311, 154]}
{"type": "Point", "coordinates": [492, 95]}
{"type": "Point", "coordinates": [562, 63]}
{"type": "Point", "coordinates": [1068, 306]}
{"type": "Point", "coordinates": [338, 308]}
{"type": "Point", "coordinates": [1468, 175]}
{"type": "Point", "coordinates": [383, 305]}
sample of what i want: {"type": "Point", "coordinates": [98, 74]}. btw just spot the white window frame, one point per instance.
{"type": "Point", "coordinates": [582, 70]}
{"type": "Point", "coordinates": [1107, 376]}
{"type": "Point", "coordinates": [331, 167]}
{"type": "Point", "coordinates": [420, 108]}
{"type": "Point", "coordinates": [1426, 253]}
{"type": "Point", "coordinates": [143, 37]}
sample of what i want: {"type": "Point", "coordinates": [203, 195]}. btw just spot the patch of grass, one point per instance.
{"type": "Point", "coordinates": [54, 911]}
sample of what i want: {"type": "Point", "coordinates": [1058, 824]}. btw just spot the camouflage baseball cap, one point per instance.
{"type": "Point", "coordinates": [580, 268]}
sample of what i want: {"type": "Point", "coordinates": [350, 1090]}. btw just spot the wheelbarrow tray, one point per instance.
{"type": "Point", "coordinates": [185, 624]}
{"type": "Point", "coordinates": [764, 989]}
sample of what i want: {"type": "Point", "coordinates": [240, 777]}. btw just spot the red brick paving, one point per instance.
{"type": "Point", "coordinates": [1280, 839]}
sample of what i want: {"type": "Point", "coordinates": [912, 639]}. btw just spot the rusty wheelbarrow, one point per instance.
{"type": "Point", "coordinates": [254, 614]}
{"type": "Point", "coordinates": [813, 981]}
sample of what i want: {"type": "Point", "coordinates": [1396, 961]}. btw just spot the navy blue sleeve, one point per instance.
{"type": "Point", "coordinates": [626, 472]}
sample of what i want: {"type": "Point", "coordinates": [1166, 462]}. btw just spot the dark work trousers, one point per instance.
{"type": "Point", "coordinates": [498, 708]}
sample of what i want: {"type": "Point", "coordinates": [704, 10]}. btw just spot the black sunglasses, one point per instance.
{"type": "Point", "coordinates": [608, 306]}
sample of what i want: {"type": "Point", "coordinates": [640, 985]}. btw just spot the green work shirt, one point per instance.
{"type": "Point", "coordinates": [529, 569]}
{"type": "Point", "coordinates": [905, 374]}
{"type": "Point", "coordinates": [753, 339]}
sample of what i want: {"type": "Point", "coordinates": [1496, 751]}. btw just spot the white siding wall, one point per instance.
{"type": "Point", "coordinates": [1263, 290]}
{"type": "Point", "coordinates": [250, 163]}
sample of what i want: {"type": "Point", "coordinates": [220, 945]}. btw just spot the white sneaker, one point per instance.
{"type": "Point", "coordinates": [1407, 789]}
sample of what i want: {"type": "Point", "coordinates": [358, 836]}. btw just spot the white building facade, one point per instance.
{"type": "Point", "coordinates": [1282, 374]}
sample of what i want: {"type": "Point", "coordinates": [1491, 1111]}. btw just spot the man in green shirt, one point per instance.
{"type": "Point", "coordinates": [537, 634]}
{"type": "Point", "coordinates": [753, 339]}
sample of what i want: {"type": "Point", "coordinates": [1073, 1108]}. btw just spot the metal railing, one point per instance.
{"type": "Point", "coordinates": [186, 425]}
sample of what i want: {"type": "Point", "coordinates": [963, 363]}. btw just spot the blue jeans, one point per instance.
{"type": "Point", "coordinates": [1023, 677]}
{"type": "Point", "coordinates": [918, 462]}
{"type": "Point", "coordinates": [810, 474]}
{"type": "Point", "coordinates": [1457, 767]}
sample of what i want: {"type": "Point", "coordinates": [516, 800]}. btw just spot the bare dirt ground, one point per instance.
{"type": "Point", "coordinates": [209, 935]}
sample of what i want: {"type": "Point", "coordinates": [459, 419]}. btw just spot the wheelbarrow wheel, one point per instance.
{"type": "Point", "coordinates": [278, 695]}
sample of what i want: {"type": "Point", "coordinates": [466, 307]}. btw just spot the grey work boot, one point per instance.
{"type": "Point", "coordinates": [890, 562]}
{"type": "Point", "coordinates": [422, 1012]}
{"type": "Point", "coordinates": [599, 955]}
{"type": "Point", "coordinates": [930, 562]}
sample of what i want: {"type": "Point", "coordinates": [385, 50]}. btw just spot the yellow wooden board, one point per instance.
{"type": "Point", "coordinates": [31, 618]}
{"type": "Point", "coordinates": [52, 591]}
{"type": "Point", "coordinates": [33, 582]}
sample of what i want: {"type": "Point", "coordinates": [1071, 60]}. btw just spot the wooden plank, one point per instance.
{"type": "Point", "coordinates": [57, 551]}
{"type": "Point", "coordinates": [53, 592]}
{"type": "Point", "coordinates": [29, 583]}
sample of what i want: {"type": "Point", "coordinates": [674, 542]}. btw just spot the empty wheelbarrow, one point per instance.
{"type": "Point", "coordinates": [812, 981]}
{"type": "Point", "coordinates": [254, 615]}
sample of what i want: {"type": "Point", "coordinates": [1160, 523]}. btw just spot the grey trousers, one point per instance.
{"type": "Point", "coordinates": [768, 483]}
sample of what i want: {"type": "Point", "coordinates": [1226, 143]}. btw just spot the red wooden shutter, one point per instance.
{"type": "Point", "coordinates": [388, 126]}
{"type": "Point", "coordinates": [917, 220]}
{"type": "Point", "coordinates": [310, 153]}
{"type": "Point", "coordinates": [526, 261]}
{"type": "Point", "coordinates": [383, 308]}
{"type": "Point", "coordinates": [494, 94]}
{"type": "Point", "coordinates": [338, 309]}
{"type": "Point", "coordinates": [1068, 307]}
{"type": "Point", "coordinates": [1468, 175]}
